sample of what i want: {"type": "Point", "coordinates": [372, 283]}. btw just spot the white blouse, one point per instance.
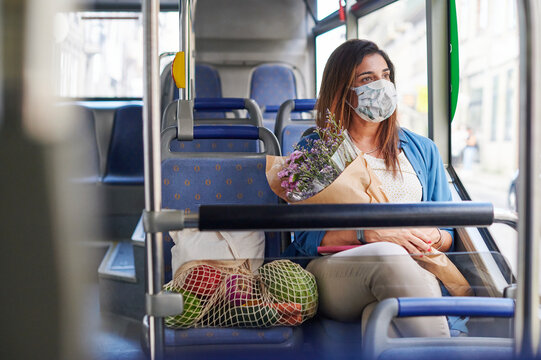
{"type": "Point", "coordinates": [400, 188]}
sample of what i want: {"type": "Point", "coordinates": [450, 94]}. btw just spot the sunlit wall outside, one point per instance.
{"type": "Point", "coordinates": [402, 35]}
{"type": "Point", "coordinates": [485, 127]}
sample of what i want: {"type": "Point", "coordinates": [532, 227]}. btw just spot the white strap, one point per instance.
{"type": "Point", "coordinates": [229, 240]}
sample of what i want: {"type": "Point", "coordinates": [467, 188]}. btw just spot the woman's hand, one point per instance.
{"type": "Point", "coordinates": [414, 240]}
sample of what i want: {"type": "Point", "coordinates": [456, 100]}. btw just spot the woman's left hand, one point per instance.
{"type": "Point", "coordinates": [414, 240]}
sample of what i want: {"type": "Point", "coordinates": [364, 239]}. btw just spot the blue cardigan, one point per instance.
{"type": "Point", "coordinates": [425, 159]}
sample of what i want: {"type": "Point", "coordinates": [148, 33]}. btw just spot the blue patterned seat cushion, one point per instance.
{"type": "Point", "coordinates": [272, 85]}
{"type": "Point", "coordinates": [189, 183]}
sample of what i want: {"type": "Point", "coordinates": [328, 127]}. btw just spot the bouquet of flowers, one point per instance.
{"type": "Point", "coordinates": [327, 170]}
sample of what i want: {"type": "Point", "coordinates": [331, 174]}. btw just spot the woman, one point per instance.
{"type": "Point", "coordinates": [358, 87]}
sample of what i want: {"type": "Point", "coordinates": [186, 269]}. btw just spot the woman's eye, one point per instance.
{"type": "Point", "coordinates": [386, 76]}
{"type": "Point", "coordinates": [366, 79]}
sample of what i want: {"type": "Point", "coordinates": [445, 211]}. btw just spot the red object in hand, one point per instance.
{"type": "Point", "coordinates": [341, 11]}
{"type": "Point", "coordinates": [202, 280]}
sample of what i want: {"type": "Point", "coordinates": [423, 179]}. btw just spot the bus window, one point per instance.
{"type": "Point", "coordinates": [100, 54]}
{"type": "Point", "coordinates": [484, 131]}
{"type": "Point", "coordinates": [325, 45]}
{"type": "Point", "coordinates": [404, 38]}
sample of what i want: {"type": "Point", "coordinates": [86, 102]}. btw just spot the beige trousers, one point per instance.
{"type": "Point", "coordinates": [351, 280]}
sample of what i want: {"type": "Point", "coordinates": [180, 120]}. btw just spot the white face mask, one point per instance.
{"type": "Point", "coordinates": [376, 101]}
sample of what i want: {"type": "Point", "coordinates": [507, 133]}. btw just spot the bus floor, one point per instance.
{"type": "Point", "coordinates": [112, 337]}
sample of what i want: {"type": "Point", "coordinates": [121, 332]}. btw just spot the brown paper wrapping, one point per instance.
{"type": "Point", "coordinates": [358, 184]}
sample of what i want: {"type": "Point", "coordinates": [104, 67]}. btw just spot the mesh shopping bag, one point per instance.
{"type": "Point", "coordinates": [227, 294]}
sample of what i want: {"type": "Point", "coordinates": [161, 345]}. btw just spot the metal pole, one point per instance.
{"type": "Point", "coordinates": [527, 302]}
{"type": "Point", "coordinates": [351, 21]}
{"type": "Point", "coordinates": [437, 15]}
{"type": "Point", "coordinates": [187, 45]}
{"type": "Point", "coordinates": [151, 140]}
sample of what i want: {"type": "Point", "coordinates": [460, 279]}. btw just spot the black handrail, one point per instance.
{"type": "Point", "coordinates": [344, 216]}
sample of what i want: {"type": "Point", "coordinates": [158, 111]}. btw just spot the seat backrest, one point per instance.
{"type": "Point", "coordinates": [207, 85]}
{"type": "Point", "coordinates": [125, 164]}
{"type": "Point", "coordinates": [271, 85]}
{"type": "Point", "coordinates": [288, 129]}
{"type": "Point", "coordinates": [194, 179]}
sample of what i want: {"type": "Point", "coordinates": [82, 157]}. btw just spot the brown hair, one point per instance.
{"type": "Point", "coordinates": [338, 78]}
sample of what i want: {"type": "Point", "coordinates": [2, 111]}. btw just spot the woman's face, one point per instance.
{"type": "Point", "coordinates": [372, 68]}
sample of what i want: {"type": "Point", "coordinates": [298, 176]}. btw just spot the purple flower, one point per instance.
{"type": "Point", "coordinates": [297, 154]}
{"type": "Point", "coordinates": [283, 173]}
{"type": "Point", "coordinates": [293, 167]}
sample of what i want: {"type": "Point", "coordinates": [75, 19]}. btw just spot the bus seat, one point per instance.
{"type": "Point", "coordinates": [189, 183]}
{"type": "Point", "coordinates": [193, 179]}
{"type": "Point", "coordinates": [377, 345]}
{"type": "Point", "coordinates": [270, 86]}
{"type": "Point", "coordinates": [125, 155]}
{"type": "Point", "coordinates": [288, 130]}
{"type": "Point", "coordinates": [208, 84]}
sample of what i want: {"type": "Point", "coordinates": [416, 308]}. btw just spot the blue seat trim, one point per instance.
{"type": "Point", "coordinates": [246, 132]}
{"type": "Point", "coordinates": [221, 336]}
{"type": "Point", "coordinates": [219, 103]}
{"type": "Point", "coordinates": [304, 104]}
{"type": "Point", "coordinates": [123, 180]}
{"type": "Point", "coordinates": [272, 108]}
{"type": "Point", "coordinates": [469, 306]}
